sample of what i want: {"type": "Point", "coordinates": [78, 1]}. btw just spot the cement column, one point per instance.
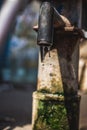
{"type": "Point", "coordinates": [56, 102]}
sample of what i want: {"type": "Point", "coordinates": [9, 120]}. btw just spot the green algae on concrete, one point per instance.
{"type": "Point", "coordinates": [55, 112]}
{"type": "Point", "coordinates": [51, 113]}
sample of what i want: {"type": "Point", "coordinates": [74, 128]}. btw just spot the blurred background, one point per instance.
{"type": "Point", "coordinates": [18, 69]}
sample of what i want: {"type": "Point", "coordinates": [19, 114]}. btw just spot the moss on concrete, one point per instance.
{"type": "Point", "coordinates": [54, 112]}
{"type": "Point", "coordinates": [52, 115]}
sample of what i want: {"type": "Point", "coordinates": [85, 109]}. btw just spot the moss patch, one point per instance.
{"type": "Point", "coordinates": [52, 115]}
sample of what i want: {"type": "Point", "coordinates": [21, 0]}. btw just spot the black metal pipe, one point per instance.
{"type": "Point", "coordinates": [48, 15]}
{"type": "Point", "coordinates": [45, 26]}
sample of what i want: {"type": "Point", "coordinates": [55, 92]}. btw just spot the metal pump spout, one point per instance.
{"type": "Point", "coordinates": [46, 24]}
{"type": "Point", "coordinates": [48, 18]}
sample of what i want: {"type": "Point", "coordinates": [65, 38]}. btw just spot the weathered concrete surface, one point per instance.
{"type": "Point", "coordinates": [58, 72]}
{"type": "Point", "coordinates": [49, 75]}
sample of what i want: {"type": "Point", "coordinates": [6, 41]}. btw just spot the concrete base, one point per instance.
{"type": "Point", "coordinates": [54, 112]}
